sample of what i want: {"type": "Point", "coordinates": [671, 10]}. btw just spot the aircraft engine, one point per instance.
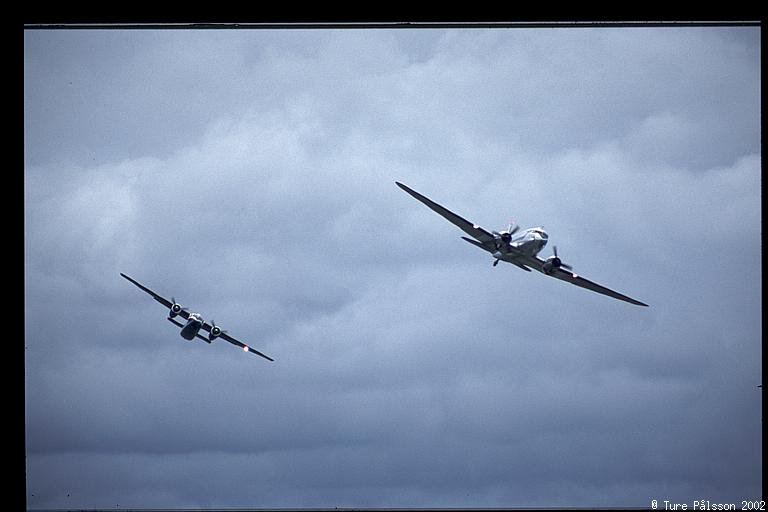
{"type": "Point", "coordinates": [554, 262]}
{"type": "Point", "coordinates": [551, 263]}
{"type": "Point", "coordinates": [215, 332]}
{"type": "Point", "coordinates": [175, 309]}
{"type": "Point", "coordinates": [502, 239]}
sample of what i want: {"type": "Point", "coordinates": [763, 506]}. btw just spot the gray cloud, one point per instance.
{"type": "Point", "coordinates": [250, 174]}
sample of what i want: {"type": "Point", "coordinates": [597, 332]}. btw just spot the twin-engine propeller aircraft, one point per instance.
{"type": "Point", "coordinates": [521, 250]}
{"type": "Point", "coordinates": [194, 322]}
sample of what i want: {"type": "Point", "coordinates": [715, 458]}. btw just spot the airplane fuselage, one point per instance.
{"type": "Point", "coordinates": [531, 242]}
{"type": "Point", "coordinates": [192, 327]}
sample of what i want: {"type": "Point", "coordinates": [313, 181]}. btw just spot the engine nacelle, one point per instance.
{"type": "Point", "coordinates": [552, 263]}
{"type": "Point", "coordinates": [215, 332]}
{"type": "Point", "coordinates": [502, 239]}
{"type": "Point", "coordinates": [175, 310]}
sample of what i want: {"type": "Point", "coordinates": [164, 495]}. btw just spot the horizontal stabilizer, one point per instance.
{"type": "Point", "coordinates": [475, 242]}
{"type": "Point", "coordinates": [175, 322]}
{"type": "Point", "coordinates": [204, 339]}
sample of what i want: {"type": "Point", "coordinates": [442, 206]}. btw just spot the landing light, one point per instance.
{"type": "Point", "coordinates": [245, 348]}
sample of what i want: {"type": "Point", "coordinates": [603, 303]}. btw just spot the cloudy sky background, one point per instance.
{"type": "Point", "coordinates": [251, 173]}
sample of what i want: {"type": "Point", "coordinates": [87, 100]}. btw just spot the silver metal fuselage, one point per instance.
{"type": "Point", "coordinates": [531, 242]}
{"type": "Point", "coordinates": [192, 327]}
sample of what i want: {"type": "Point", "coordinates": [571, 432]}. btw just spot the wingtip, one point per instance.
{"type": "Point", "coordinates": [408, 190]}
{"type": "Point", "coordinates": [254, 351]}
{"type": "Point", "coordinates": [129, 278]}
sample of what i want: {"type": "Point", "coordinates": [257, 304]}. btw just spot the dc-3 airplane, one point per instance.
{"type": "Point", "coordinates": [194, 322]}
{"type": "Point", "coordinates": [521, 250]}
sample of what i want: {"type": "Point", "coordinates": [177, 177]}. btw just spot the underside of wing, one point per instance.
{"type": "Point", "coordinates": [589, 285]}
{"type": "Point", "coordinates": [575, 279]}
{"type": "Point", "coordinates": [469, 228]}
{"type": "Point", "coordinates": [176, 322]}
{"type": "Point", "coordinates": [182, 312]}
{"type": "Point", "coordinates": [159, 298]}
{"type": "Point", "coordinates": [245, 347]}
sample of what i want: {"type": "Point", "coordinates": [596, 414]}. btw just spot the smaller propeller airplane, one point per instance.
{"type": "Point", "coordinates": [521, 250]}
{"type": "Point", "coordinates": [195, 322]}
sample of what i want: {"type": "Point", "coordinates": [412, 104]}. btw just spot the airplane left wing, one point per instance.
{"type": "Point", "coordinates": [238, 343]}
{"type": "Point", "coordinates": [469, 228]}
{"type": "Point", "coordinates": [575, 279]}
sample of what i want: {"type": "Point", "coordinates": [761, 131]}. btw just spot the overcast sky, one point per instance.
{"type": "Point", "coordinates": [251, 175]}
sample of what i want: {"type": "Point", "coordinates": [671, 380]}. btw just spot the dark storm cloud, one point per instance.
{"type": "Point", "coordinates": [251, 175]}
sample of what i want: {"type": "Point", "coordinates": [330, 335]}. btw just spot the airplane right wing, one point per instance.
{"type": "Point", "coordinates": [472, 230]}
{"type": "Point", "coordinates": [159, 298]}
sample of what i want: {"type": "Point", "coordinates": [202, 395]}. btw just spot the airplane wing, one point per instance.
{"type": "Point", "coordinates": [225, 336]}
{"type": "Point", "coordinates": [159, 298]}
{"type": "Point", "coordinates": [245, 347]}
{"type": "Point", "coordinates": [575, 279]}
{"type": "Point", "coordinates": [472, 230]}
